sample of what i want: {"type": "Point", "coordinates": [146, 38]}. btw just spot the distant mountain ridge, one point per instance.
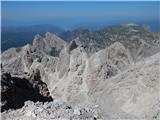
{"type": "Point", "coordinates": [130, 35]}
{"type": "Point", "coordinates": [19, 36]}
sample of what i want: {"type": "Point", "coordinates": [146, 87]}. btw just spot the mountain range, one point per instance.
{"type": "Point", "coordinates": [111, 73]}
{"type": "Point", "coordinates": [16, 36]}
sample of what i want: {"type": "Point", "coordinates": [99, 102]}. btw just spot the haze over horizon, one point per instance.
{"type": "Point", "coordinates": [74, 14]}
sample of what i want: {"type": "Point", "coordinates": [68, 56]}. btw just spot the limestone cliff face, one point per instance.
{"type": "Point", "coordinates": [17, 60]}
{"type": "Point", "coordinates": [133, 93]}
{"type": "Point", "coordinates": [51, 44]}
{"type": "Point", "coordinates": [38, 43]}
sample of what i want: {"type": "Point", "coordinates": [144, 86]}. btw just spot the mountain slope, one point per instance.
{"type": "Point", "coordinates": [134, 93]}
{"type": "Point", "coordinates": [131, 94]}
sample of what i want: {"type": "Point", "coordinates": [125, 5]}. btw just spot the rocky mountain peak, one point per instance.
{"type": "Point", "coordinates": [38, 37]}
{"type": "Point", "coordinates": [53, 39]}
{"type": "Point", "coordinates": [53, 44]}
{"type": "Point", "coordinates": [50, 44]}
{"type": "Point", "coordinates": [38, 42]}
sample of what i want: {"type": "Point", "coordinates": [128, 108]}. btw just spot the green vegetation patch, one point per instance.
{"type": "Point", "coordinates": [18, 49]}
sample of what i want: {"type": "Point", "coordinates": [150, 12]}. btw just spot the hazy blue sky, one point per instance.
{"type": "Point", "coordinates": [69, 14]}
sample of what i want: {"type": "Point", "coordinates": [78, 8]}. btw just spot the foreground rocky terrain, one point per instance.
{"type": "Point", "coordinates": [108, 74]}
{"type": "Point", "coordinates": [52, 110]}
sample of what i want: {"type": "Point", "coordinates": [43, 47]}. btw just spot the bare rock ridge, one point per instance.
{"type": "Point", "coordinates": [51, 44]}
{"type": "Point", "coordinates": [138, 39]}
{"type": "Point", "coordinates": [115, 69]}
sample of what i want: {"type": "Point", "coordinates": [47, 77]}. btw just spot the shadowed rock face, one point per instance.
{"type": "Point", "coordinates": [72, 46]}
{"type": "Point", "coordinates": [7, 91]}
{"type": "Point", "coordinates": [15, 91]}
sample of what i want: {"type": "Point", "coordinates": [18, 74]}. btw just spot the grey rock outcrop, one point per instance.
{"type": "Point", "coordinates": [13, 61]}
{"type": "Point", "coordinates": [51, 44]}
{"type": "Point", "coordinates": [133, 94]}
{"type": "Point", "coordinates": [38, 43]}
{"type": "Point", "coordinates": [53, 110]}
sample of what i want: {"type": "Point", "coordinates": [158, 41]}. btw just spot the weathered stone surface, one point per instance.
{"type": "Point", "coordinates": [52, 110]}
{"type": "Point", "coordinates": [38, 43]}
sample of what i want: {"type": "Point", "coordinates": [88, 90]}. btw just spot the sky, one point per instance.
{"type": "Point", "coordinates": [73, 14]}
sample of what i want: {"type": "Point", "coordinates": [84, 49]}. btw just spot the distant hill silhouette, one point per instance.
{"type": "Point", "coordinates": [19, 36]}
